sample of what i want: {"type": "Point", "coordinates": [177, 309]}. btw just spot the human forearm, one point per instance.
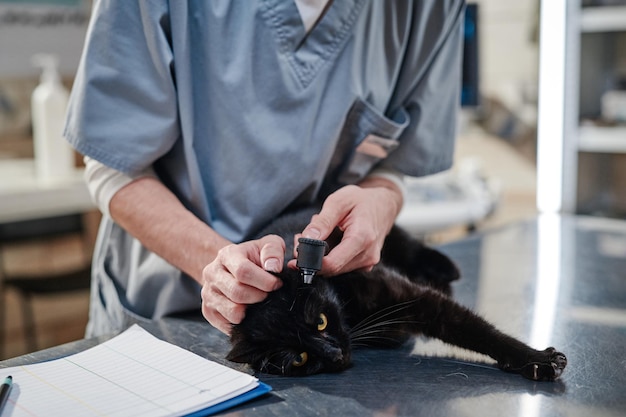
{"type": "Point", "coordinates": [392, 193]}
{"type": "Point", "coordinates": [153, 214]}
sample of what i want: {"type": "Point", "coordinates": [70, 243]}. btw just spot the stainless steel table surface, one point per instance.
{"type": "Point", "coordinates": [553, 281]}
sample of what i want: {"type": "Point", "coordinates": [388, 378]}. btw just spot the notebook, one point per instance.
{"type": "Point", "coordinates": [134, 374]}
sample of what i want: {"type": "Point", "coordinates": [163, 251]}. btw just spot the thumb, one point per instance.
{"type": "Point", "coordinates": [333, 211]}
{"type": "Point", "coordinates": [321, 224]}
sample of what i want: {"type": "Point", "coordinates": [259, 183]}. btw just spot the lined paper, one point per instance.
{"type": "Point", "coordinates": [134, 374]}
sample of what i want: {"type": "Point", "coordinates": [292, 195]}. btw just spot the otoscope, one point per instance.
{"type": "Point", "coordinates": [310, 254]}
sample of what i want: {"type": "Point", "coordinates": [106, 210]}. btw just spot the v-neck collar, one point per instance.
{"type": "Point", "coordinates": [308, 52]}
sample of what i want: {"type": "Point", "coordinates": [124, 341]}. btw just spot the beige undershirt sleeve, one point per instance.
{"type": "Point", "coordinates": [103, 182]}
{"type": "Point", "coordinates": [395, 177]}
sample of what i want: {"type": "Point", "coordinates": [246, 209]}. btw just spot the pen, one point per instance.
{"type": "Point", "coordinates": [5, 390]}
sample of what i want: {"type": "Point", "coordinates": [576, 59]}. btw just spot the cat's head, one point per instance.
{"type": "Point", "coordinates": [297, 330]}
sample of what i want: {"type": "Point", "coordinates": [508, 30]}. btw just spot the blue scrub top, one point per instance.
{"type": "Point", "coordinates": [242, 114]}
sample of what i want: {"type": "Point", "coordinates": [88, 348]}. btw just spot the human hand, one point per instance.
{"type": "Point", "coordinates": [365, 215]}
{"type": "Point", "coordinates": [240, 275]}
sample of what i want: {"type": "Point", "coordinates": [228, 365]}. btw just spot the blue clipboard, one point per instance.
{"type": "Point", "coordinates": [240, 399]}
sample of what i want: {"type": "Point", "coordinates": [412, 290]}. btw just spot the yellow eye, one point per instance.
{"type": "Point", "coordinates": [300, 359]}
{"type": "Point", "coordinates": [322, 322]}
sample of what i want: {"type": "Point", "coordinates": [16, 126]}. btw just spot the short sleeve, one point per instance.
{"type": "Point", "coordinates": [122, 109]}
{"type": "Point", "coordinates": [431, 95]}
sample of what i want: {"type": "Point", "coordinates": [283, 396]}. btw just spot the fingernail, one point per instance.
{"type": "Point", "coordinates": [279, 284]}
{"type": "Point", "coordinates": [311, 233]}
{"type": "Point", "coordinates": [272, 265]}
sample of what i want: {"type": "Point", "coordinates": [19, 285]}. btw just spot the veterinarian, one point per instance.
{"type": "Point", "coordinates": [202, 121]}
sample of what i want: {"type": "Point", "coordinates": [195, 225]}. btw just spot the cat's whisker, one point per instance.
{"type": "Point", "coordinates": [363, 341]}
{"type": "Point", "coordinates": [376, 332]}
{"type": "Point", "coordinates": [378, 327]}
{"type": "Point", "coordinates": [268, 363]}
{"type": "Point", "coordinates": [382, 321]}
{"type": "Point", "coordinates": [375, 326]}
{"type": "Point", "coordinates": [381, 314]}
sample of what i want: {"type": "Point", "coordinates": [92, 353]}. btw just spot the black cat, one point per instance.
{"type": "Point", "coordinates": [303, 329]}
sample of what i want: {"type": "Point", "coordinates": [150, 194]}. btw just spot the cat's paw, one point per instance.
{"type": "Point", "coordinates": [546, 365]}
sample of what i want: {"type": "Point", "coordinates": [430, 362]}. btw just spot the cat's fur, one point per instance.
{"type": "Point", "coordinates": [304, 329]}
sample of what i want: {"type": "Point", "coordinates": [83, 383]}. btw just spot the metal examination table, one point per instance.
{"type": "Point", "coordinates": [558, 281]}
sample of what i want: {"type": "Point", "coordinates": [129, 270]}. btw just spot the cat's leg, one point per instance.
{"type": "Point", "coordinates": [445, 319]}
{"type": "Point", "coordinates": [418, 262]}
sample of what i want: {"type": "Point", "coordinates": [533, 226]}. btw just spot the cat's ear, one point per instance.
{"type": "Point", "coordinates": [240, 354]}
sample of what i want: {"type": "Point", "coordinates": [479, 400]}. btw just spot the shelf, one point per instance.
{"type": "Point", "coordinates": [603, 19]}
{"type": "Point", "coordinates": [23, 197]}
{"type": "Point", "coordinates": [585, 60]}
{"type": "Point", "coordinates": [602, 139]}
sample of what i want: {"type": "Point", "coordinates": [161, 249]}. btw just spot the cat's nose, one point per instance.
{"type": "Point", "coordinates": [344, 358]}
{"type": "Point", "coordinates": [334, 354]}
{"type": "Point", "coordinates": [338, 357]}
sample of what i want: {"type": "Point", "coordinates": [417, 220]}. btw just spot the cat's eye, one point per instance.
{"type": "Point", "coordinates": [322, 322]}
{"type": "Point", "coordinates": [300, 360]}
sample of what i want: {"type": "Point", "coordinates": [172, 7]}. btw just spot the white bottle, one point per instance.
{"type": "Point", "coordinates": [54, 157]}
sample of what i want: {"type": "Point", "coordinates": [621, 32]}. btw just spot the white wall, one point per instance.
{"type": "Point", "coordinates": [29, 28]}
{"type": "Point", "coordinates": [509, 55]}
